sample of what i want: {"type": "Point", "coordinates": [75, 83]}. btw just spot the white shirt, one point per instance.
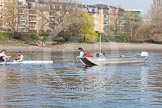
{"type": "Point", "coordinates": [81, 54]}
{"type": "Point", "coordinates": [1, 54]}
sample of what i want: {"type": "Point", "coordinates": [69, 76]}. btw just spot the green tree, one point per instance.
{"type": "Point", "coordinates": [128, 26]}
{"type": "Point", "coordinates": [87, 30]}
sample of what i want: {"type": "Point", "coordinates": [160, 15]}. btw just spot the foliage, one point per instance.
{"type": "Point", "coordinates": [157, 38]}
{"type": "Point", "coordinates": [91, 37]}
{"type": "Point", "coordinates": [58, 14]}
{"type": "Point", "coordinates": [10, 15]}
{"type": "Point", "coordinates": [130, 28]}
{"type": "Point", "coordinates": [3, 37]}
{"type": "Point", "coordinates": [81, 26]}
{"type": "Point", "coordinates": [142, 33]}
{"type": "Point", "coordinates": [156, 23]}
{"type": "Point", "coordinates": [155, 16]}
{"type": "Point", "coordinates": [87, 30]}
{"type": "Point", "coordinates": [29, 38]}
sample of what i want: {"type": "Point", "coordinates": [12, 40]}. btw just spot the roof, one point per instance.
{"type": "Point", "coordinates": [115, 7]}
{"type": "Point", "coordinates": [135, 10]}
{"type": "Point", "coordinates": [101, 6]}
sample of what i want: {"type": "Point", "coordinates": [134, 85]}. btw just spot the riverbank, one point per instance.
{"type": "Point", "coordinates": [110, 46]}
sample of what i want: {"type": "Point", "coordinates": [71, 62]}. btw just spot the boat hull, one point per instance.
{"type": "Point", "coordinates": [114, 60]}
{"type": "Point", "coordinates": [28, 62]}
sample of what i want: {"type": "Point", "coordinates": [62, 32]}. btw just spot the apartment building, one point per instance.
{"type": "Point", "coordinates": [115, 14]}
{"type": "Point", "coordinates": [104, 16]}
{"type": "Point", "coordinates": [100, 15]}
{"type": "Point", "coordinates": [36, 15]}
{"type": "Point", "coordinates": [31, 11]}
{"type": "Point", "coordinates": [28, 15]}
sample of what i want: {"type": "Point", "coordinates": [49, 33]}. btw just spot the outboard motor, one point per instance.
{"type": "Point", "coordinates": [144, 54]}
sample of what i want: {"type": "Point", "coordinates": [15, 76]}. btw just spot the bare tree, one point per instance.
{"type": "Point", "coordinates": [58, 14]}
{"type": "Point", "coordinates": [156, 19]}
{"type": "Point", "coordinates": [10, 15]}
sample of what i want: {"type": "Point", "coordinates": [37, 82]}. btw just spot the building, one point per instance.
{"type": "Point", "coordinates": [104, 16]}
{"type": "Point", "coordinates": [31, 12]}
{"type": "Point", "coordinates": [29, 15]}
{"type": "Point", "coordinates": [100, 14]}
{"type": "Point", "coordinates": [115, 13]}
{"type": "Point", "coordinates": [38, 15]}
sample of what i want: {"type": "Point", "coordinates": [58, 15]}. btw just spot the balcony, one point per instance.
{"type": "Point", "coordinates": [32, 14]}
{"type": "Point", "coordinates": [22, 13]}
{"type": "Point", "coordinates": [22, 20]}
{"type": "Point", "coordinates": [32, 21]}
{"type": "Point", "coordinates": [19, 27]}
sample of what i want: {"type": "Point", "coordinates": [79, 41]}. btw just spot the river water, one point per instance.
{"type": "Point", "coordinates": [68, 84]}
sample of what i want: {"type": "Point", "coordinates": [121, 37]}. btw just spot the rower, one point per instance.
{"type": "Point", "coordinates": [20, 57]}
{"type": "Point", "coordinates": [3, 56]}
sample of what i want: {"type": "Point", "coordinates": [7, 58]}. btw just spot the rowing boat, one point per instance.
{"type": "Point", "coordinates": [28, 62]}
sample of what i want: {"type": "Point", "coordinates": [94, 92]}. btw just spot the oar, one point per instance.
{"type": "Point", "coordinates": [6, 60]}
{"type": "Point", "coordinates": [76, 60]}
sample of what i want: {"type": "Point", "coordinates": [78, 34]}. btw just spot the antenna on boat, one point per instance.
{"type": "Point", "coordinates": [100, 31]}
{"type": "Point", "coordinates": [100, 44]}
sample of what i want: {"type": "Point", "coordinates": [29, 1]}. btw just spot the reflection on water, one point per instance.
{"type": "Point", "coordinates": [69, 84]}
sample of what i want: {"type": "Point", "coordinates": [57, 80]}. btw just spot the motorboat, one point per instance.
{"type": "Point", "coordinates": [102, 60]}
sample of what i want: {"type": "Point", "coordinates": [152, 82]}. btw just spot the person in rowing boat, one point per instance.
{"type": "Point", "coordinates": [3, 56]}
{"type": "Point", "coordinates": [20, 57]}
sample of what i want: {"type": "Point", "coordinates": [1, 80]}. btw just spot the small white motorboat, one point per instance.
{"type": "Point", "coordinates": [102, 60]}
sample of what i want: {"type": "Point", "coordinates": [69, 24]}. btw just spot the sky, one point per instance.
{"type": "Point", "coordinates": [143, 5]}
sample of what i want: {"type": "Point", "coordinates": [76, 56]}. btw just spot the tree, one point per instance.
{"type": "Point", "coordinates": [142, 33]}
{"type": "Point", "coordinates": [155, 14]}
{"type": "Point", "coordinates": [128, 24]}
{"type": "Point", "coordinates": [156, 19]}
{"type": "Point", "coordinates": [79, 23]}
{"type": "Point", "coordinates": [88, 28]}
{"type": "Point", "coordinates": [10, 15]}
{"type": "Point", "coordinates": [58, 12]}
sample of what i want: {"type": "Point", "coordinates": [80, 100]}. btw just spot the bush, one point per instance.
{"type": "Point", "coordinates": [156, 38]}
{"type": "Point", "coordinates": [29, 38]}
{"type": "Point", "coordinates": [120, 38]}
{"type": "Point", "coordinates": [3, 36]}
{"type": "Point", "coordinates": [89, 38]}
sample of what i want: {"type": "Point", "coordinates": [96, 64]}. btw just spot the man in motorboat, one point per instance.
{"type": "Point", "coordinates": [20, 57]}
{"type": "Point", "coordinates": [83, 53]}
{"type": "Point", "coordinates": [3, 56]}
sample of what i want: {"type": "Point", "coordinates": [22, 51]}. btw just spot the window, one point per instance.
{"type": "Point", "coordinates": [30, 0]}
{"type": "Point", "coordinates": [90, 9]}
{"type": "Point", "coordinates": [20, 3]}
{"type": "Point", "coordinates": [96, 10]}
{"type": "Point", "coordinates": [30, 4]}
